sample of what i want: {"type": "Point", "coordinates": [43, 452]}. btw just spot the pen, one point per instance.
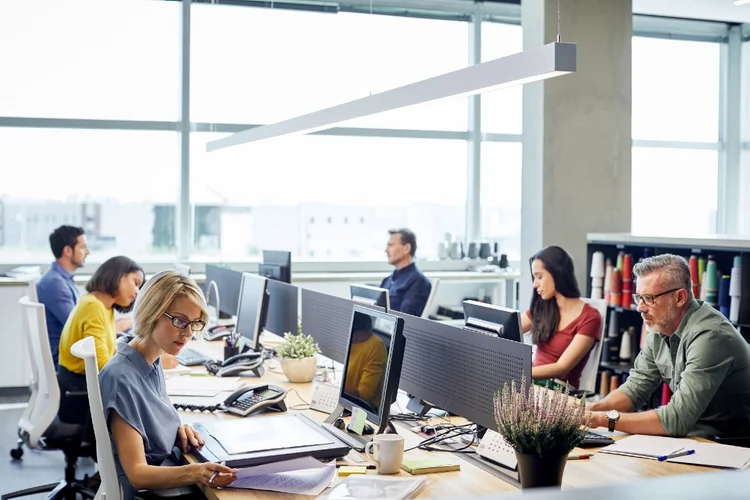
{"type": "Point", "coordinates": [215, 474]}
{"type": "Point", "coordinates": [675, 455]}
{"type": "Point", "coordinates": [584, 456]}
{"type": "Point", "coordinates": [368, 466]}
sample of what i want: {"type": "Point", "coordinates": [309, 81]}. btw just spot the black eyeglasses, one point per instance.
{"type": "Point", "coordinates": [183, 323]}
{"type": "Point", "coordinates": [649, 299]}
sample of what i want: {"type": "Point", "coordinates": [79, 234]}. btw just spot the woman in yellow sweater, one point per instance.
{"type": "Point", "coordinates": [113, 287]}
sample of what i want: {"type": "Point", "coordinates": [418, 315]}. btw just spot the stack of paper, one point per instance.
{"type": "Point", "coordinates": [654, 447]}
{"type": "Point", "coordinates": [301, 476]}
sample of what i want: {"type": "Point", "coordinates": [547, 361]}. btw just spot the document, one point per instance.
{"type": "Point", "coordinates": [716, 455]}
{"type": "Point", "coordinates": [654, 447]}
{"type": "Point", "coordinates": [301, 476]}
{"type": "Point", "coordinates": [200, 386]}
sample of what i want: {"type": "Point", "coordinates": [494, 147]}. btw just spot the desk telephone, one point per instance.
{"type": "Point", "coordinates": [217, 332]}
{"type": "Point", "coordinates": [246, 401]}
{"type": "Point", "coordinates": [237, 364]}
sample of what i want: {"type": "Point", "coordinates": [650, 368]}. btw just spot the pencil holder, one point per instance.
{"type": "Point", "coordinates": [230, 351]}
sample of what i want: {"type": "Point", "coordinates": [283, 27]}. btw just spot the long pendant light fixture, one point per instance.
{"type": "Point", "coordinates": [548, 61]}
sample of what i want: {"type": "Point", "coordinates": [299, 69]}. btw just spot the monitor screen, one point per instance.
{"type": "Point", "coordinates": [282, 308]}
{"type": "Point", "coordinates": [373, 360]}
{"type": "Point", "coordinates": [371, 295]}
{"type": "Point", "coordinates": [277, 264]}
{"type": "Point", "coordinates": [489, 318]}
{"type": "Point", "coordinates": [252, 310]}
{"type": "Point", "coordinates": [228, 281]}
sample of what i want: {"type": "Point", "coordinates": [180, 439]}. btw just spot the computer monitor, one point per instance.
{"type": "Point", "coordinates": [276, 265]}
{"type": "Point", "coordinates": [283, 312]}
{"type": "Point", "coordinates": [492, 319]}
{"type": "Point", "coordinates": [252, 310]}
{"type": "Point", "coordinates": [371, 295]}
{"type": "Point", "coordinates": [228, 283]}
{"type": "Point", "coordinates": [372, 369]}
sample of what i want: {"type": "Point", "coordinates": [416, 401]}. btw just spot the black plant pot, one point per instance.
{"type": "Point", "coordinates": [541, 472]}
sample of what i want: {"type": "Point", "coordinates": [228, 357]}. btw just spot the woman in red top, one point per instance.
{"type": "Point", "coordinates": [563, 327]}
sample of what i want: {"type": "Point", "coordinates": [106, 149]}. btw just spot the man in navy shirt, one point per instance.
{"type": "Point", "coordinates": [408, 288]}
{"type": "Point", "coordinates": [56, 288]}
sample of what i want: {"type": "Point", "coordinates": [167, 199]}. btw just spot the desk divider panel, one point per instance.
{"type": "Point", "coordinates": [460, 370]}
{"type": "Point", "coordinates": [328, 319]}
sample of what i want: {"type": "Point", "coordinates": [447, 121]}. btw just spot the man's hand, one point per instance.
{"type": "Point", "coordinates": [597, 419]}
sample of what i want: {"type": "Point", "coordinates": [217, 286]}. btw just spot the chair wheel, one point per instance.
{"type": "Point", "coordinates": [16, 453]}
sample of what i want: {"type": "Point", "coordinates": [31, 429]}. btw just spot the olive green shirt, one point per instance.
{"type": "Point", "coordinates": [706, 363]}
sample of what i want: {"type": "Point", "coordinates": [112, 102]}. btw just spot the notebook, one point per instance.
{"type": "Point", "coordinates": [653, 447]}
{"type": "Point", "coordinates": [716, 455]}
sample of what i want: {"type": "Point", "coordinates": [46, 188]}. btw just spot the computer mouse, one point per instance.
{"type": "Point", "coordinates": [368, 429]}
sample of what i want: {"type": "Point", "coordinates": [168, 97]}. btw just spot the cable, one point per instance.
{"type": "Point", "coordinates": [453, 432]}
{"type": "Point", "coordinates": [304, 406]}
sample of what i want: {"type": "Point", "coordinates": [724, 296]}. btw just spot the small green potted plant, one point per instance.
{"type": "Point", "coordinates": [542, 425]}
{"type": "Point", "coordinates": [298, 357]}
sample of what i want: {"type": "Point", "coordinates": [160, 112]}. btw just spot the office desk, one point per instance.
{"type": "Point", "coordinates": [600, 470]}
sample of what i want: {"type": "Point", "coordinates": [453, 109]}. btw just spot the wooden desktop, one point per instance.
{"type": "Point", "coordinates": [470, 481]}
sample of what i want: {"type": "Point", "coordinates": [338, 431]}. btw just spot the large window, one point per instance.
{"type": "Point", "coordinates": [120, 186]}
{"type": "Point", "coordinates": [326, 197]}
{"type": "Point", "coordinates": [502, 110]}
{"type": "Point", "coordinates": [675, 90]}
{"type": "Point", "coordinates": [501, 196]}
{"type": "Point", "coordinates": [254, 65]}
{"type": "Point", "coordinates": [674, 191]}
{"type": "Point", "coordinates": [90, 59]}
{"type": "Point", "coordinates": [676, 86]}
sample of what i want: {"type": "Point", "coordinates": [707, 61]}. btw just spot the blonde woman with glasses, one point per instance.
{"type": "Point", "coordinates": [143, 424]}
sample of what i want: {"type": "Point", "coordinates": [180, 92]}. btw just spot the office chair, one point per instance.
{"type": "Point", "coordinates": [591, 370]}
{"type": "Point", "coordinates": [431, 298]}
{"type": "Point", "coordinates": [110, 488]}
{"type": "Point", "coordinates": [39, 427]}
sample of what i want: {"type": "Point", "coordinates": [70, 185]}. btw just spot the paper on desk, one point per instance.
{"type": "Point", "coordinates": [178, 370]}
{"type": "Point", "coordinates": [287, 478]}
{"type": "Point", "coordinates": [252, 435]}
{"type": "Point", "coordinates": [716, 455]}
{"type": "Point", "coordinates": [648, 446]}
{"type": "Point", "coordinates": [200, 386]}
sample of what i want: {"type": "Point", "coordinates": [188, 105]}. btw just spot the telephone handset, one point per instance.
{"type": "Point", "coordinates": [217, 332]}
{"type": "Point", "coordinates": [247, 400]}
{"type": "Point", "coordinates": [237, 364]}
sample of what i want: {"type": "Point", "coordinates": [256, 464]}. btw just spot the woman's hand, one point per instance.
{"type": "Point", "coordinates": [187, 437]}
{"type": "Point", "coordinates": [168, 361]}
{"type": "Point", "coordinates": [215, 475]}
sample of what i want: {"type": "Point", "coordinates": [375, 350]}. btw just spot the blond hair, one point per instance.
{"type": "Point", "coordinates": [158, 294]}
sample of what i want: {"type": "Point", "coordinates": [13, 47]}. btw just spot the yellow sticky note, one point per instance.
{"type": "Point", "coordinates": [352, 469]}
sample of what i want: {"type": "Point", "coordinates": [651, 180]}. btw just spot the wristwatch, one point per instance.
{"type": "Point", "coordinates": [612, 417]}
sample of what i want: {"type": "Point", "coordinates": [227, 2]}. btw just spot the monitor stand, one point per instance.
{"type": "Point", "coordinates": [423, 409]}
{"type": "Point", "coordinates": [354, 440]}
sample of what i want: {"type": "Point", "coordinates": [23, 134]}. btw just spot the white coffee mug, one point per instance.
{"type": "Point", "coordinates": [388, 452]}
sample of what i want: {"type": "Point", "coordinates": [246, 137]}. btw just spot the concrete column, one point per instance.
{"type": "Point", "coordinates": [576, 132]}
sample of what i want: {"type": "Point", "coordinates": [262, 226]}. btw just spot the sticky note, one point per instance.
{"type": "Point", "coordinates": [357, 423]}
{"type": "Point", "coordinates": [352, 469]}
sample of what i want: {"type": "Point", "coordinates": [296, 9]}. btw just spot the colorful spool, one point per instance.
{"type": "Point", "coordinates": [615, 294]}
{"type": "Point", "coordinates": [735, 286]}
{"type": "Point", "coordinates": [712, 287]}
{"type": "Point", "coordinates": [694, 276]}
{"type": "Point", "coordinates": [627, 281]}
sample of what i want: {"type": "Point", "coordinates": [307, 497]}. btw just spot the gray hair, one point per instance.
{"type": "Point", "coordinates": [675, 271]}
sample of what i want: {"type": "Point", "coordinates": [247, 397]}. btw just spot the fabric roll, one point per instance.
{"type": "Point", "coordinates": [608, 280]}
{"type": "Point", "coordinates": [614, 327]}
{"type": "Point", "coordinates": [735, 286]}
{"type": "Point", "coordinates": [694, 276]}
{"type": "Point", "coordinates": [615, 294]}
{"type": "Point", "coordinates": [627, 281]}
{"type": "Point", "coordinates": [712, 287]}
{"type": "Point", "coordinates": [724, 298]}
{"type": "Point", "coordinates": [604, 384]}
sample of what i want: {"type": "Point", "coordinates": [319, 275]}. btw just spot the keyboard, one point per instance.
{"type": "Point", "coordinates": [592, 439]}
{"type": "Point", "coordinates": [191, 357]}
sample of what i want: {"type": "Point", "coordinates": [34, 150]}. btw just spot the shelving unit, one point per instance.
{"type": "Point", "coordinates": [722, 248]}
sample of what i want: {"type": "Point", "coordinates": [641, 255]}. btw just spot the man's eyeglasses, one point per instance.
{"type": "Point", "coordinates": [649, 298]}
{"type": "Point", "coordinates": [183, 323]}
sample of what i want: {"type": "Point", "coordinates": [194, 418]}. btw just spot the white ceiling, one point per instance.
{"type": "Point", "coordinates": [715, 10]}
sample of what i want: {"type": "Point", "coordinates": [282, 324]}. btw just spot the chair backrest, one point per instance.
{"type": "Point", "coordinates": [45, 393]}
{"type": "Point", "coordinates": [431, 299]}
{"type": "Point", "coordinates": [591, 370]}
{"type": "Point", "coordinates": [110, 486]}
{"type": "Point", "coordinates": [31, 289]}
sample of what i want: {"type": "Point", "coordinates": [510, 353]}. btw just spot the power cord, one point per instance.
{"type": "Point", "coordinates": [430, 443]}
{"type": "Point", "coordinates": [304, 406]}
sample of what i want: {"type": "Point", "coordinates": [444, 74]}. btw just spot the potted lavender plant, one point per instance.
{"type": "Point", "coordinates": [542, 426]}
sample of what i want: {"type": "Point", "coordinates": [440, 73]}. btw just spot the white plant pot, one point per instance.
{"type": "Point", "coordinates": [299, 370]}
